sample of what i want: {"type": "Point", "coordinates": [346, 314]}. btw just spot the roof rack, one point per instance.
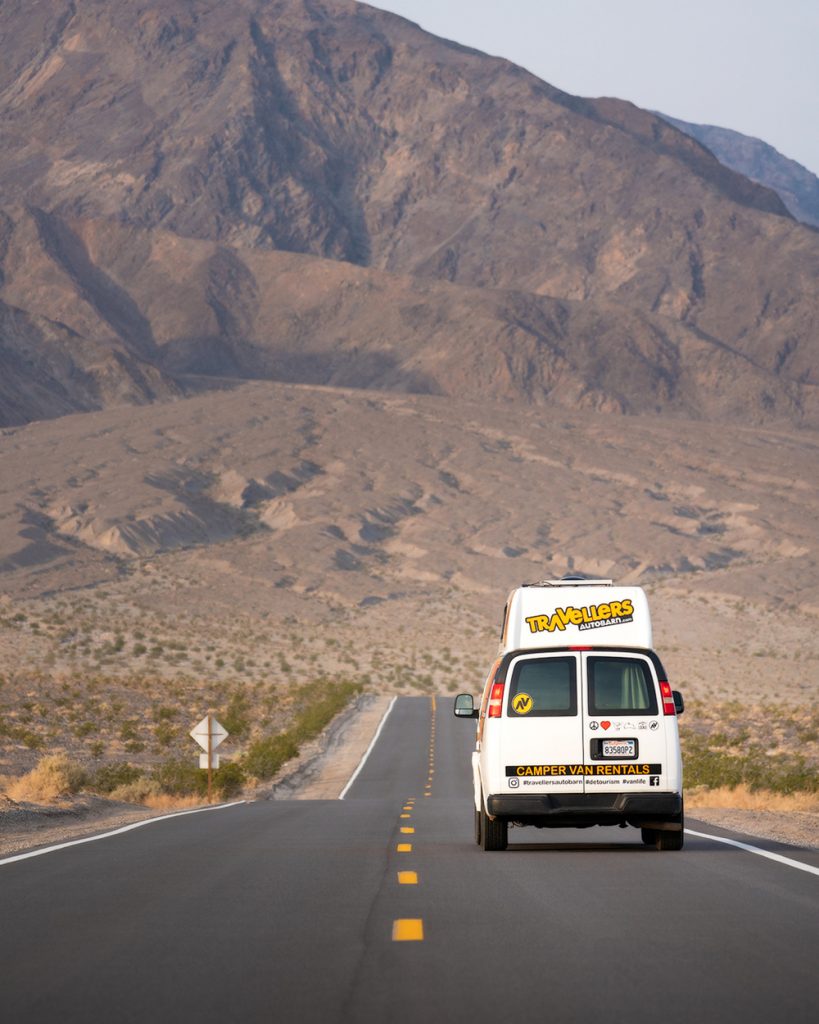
{"type": "Point", "coordinates": [571, 579]}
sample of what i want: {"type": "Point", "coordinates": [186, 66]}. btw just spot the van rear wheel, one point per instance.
{"type": "Point", "coordinates": [478, 827]}
{"type": "Point", "coordinates": [649, 836]}
{"type": "Point", "coordinates": [670, 840]}
{"type": "Point", "coordinates": [494, 834]}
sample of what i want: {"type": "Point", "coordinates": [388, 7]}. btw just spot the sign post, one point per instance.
{"type": "Point", "coordinates": [209, 734]}
{"type": "Point", "coordinates": [210, 756]}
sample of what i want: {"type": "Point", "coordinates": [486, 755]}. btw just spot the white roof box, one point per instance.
{"type": "Point", "coordinates": [576, 613]}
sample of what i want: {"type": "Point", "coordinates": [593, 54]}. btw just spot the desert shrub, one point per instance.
{"type": "Point", "coordinates": [229, 778]}
{"type": "Point", "coordinates": [128, 730]}
{"type": "Point", "coordinates": [236, 716]}
{"type": "Point", "coordinates": [54, 777]}
{"type": "Point", "coordinates": [165, 734]}
{"type": "Point", "coordinates": [264, 757]}
{"type": "Point", "coordinates": [112, 776]}
{"type": "Point", "coordinates": [753, 768]}
{"type": "Point", "coordinates": [742, 798]}
{"type": "Point", "coordinates": [137, 792]}
{"type": "Point", "coordinates": [180, 776]}
{"type": "Point", "coordinates": [31, 740]}
{"type": "Point", "coordinates": [21, 734]}
{"type": "Point", "coordinates": [320, 703]}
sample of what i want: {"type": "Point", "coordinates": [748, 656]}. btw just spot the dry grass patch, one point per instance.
{"type": "Point", "coordinates": [742, 798]}
{"type": "Point", "coordinates": [54, 778]}
{"type": "Point", "coordinates": [172, 802]}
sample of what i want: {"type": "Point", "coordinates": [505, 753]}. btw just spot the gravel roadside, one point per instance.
{"type": "Point", "coordinates": [796, 828]}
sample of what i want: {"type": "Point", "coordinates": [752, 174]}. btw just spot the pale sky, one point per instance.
{"type": "Point", "coordinates": [750, 65]}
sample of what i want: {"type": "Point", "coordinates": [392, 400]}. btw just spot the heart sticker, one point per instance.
{"type": "Point", "coordinates": [605, 725]}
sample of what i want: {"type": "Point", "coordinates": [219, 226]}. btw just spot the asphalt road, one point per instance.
{"type": "Point", "coordinates": [287, 911]}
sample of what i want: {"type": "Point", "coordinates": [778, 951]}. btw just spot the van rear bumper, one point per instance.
{"type": "Point", "coordinates": [555, 810]}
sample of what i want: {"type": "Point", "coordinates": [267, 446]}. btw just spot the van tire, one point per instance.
{"type": "Point", "coordinates": [478, 827]}
{"type": "Point", "coordinates": [494, 834]}
{"type": "Point", "coordinates": [649, 836]}
{"type": "Point", "coordinates": [667, 840]}
{"type": "Point", "coordinates": [670, 840]}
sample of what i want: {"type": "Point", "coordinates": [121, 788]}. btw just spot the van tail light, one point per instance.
{"type": "Point", "coordinates": [668, 698]}
{"type": "Point", "coordinates": [496, 701]}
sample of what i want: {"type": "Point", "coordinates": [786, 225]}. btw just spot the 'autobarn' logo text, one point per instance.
{"type": "Point", "coordinates": [590, 617]}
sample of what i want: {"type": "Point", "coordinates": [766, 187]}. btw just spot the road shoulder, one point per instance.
{"type": "Point", "coordinates": [320, 772]}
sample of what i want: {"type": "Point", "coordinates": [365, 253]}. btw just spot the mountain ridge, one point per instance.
{"type": "Point", "coordinates": [347, 134]}
{"type": "Point", "coordinates": [797, 186]}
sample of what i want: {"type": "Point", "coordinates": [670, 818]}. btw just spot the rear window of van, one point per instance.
{"type": "Point", "coordinates": [543, 687]}
{"type": "Point", "coordinates": [619, 686]}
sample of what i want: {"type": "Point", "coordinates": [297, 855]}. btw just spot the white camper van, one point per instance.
{"type": "Point", "coordinates": [577, 725]}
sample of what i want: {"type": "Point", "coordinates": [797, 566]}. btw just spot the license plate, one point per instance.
{"type": "Point", "coordinates": [619, 748]}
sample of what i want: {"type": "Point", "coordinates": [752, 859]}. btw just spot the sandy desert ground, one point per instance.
{"type": "Point", "coordinates": [155, 561]}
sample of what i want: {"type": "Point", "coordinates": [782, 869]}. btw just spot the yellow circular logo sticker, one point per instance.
{"type": "Point", "coordinates": [522, 703]}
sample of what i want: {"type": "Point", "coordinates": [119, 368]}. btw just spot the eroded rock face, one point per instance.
{"type": "Point", "coordinates": [347, 497]}
{"type": "Point", "coordinates": [157, 161]}
{"type": "Point", "coordinates": [156, 315]}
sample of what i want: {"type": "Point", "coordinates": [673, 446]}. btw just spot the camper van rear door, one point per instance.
{"type": "Point", "coordinates": [542, 735]}
{"type": "Point", "coordinates": [624, 737]}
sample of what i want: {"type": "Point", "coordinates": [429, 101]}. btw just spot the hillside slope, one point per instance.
{"type": "Point", "coordinates": [334, 130]}
{"type": "Point", "coordinates": [127, 314]}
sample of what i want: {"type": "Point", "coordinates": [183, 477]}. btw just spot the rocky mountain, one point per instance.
{"type": "Point", "coordinates": [318, 191]}
{"type": "Point", "coordinates": [178, 314]}
{"type": "Point", "coordinates": [794, 184]}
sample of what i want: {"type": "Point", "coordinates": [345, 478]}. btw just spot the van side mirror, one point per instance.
{"type": "Point", "coordinates": [465, 706]}
{"type": "Point", "coordinates": [679, 703]}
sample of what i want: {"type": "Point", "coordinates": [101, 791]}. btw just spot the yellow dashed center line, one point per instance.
{"type": "Point", "coordinates": [408, 929]}
{"type": "Point", "coordinates": [433, 708]}
{"type": "Point", "coordinates": [411, 929]}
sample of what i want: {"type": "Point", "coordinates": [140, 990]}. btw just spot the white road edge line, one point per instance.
{"type": "Point", "coordinates": [116, 831]}
{"type": "Point", "coordinates": [755, 849]}
{"type": "Point", "coordinates": [368, 751]}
